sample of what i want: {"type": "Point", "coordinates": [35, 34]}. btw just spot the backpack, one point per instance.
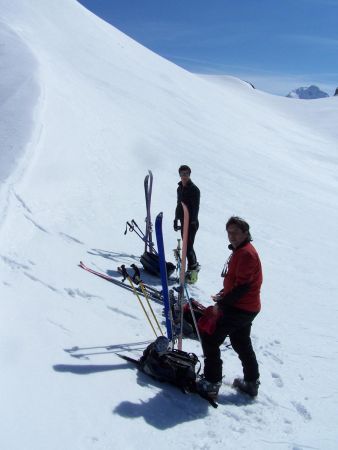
{"type": "Point", "coordinates": [206, 320]}
{"type": "Point", "coordinates": [172, 366]}
{"type": "Point", "coordinates": [151, 264]}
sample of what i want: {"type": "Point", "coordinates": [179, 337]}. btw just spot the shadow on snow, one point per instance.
{"type": "Point", "coordinates": [87, 369]}
{"type": "Point", "coordinates": [167, 409]}
{"type": "Point", "coordinates": [127, 260]}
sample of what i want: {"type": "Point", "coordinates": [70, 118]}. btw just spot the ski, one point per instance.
{"type": "Point", "coordinates": [182, 271]}
{"type": "Point", "coordinates": [153, 293]}
{"type": "Point", "coordinates": [136, 362]}
{"type": "Point", "coordinates": [148, 187]}
{"type": "Point", "coordinates": [164, 276]}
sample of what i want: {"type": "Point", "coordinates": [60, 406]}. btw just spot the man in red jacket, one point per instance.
{"type": "Point", "coordinates": [236, 306]}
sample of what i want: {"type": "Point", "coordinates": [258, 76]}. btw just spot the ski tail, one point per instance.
{"type": "Point", "coordinates": [129, 359]}
{"type": "Point", "coordinates": [164, 275]}
{"type": "Point", "coordinates": [182, 271]}
{"type": "Point", "coordinates": [152, 292]}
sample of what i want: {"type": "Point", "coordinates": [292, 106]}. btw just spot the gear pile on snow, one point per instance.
{"type": "Point", "coordinates": [160, 359]}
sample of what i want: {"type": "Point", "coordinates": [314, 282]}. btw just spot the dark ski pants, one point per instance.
{"type": "Point", "coordinates": [236, 324]}
{"type": "Point", "coordinates": [191, 255]}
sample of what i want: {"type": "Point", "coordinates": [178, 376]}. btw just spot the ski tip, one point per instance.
{"type": "Point", "coordinates": [206, 397]}
{"type": "Point", "coordinates": [129, 359]}
{"type": "Point", "coordinates": [212, 403]}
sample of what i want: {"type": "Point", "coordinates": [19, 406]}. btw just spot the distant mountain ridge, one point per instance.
{"type": "Point", "coordinates": [308, 93]}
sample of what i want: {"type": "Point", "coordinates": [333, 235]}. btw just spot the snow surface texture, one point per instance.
{"type": "Point", "coordinates": [18, 94]}
{"type": "Point", "coordinates": [85, 112]}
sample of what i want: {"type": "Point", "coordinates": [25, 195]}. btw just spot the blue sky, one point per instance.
{"type": "Point", "coordinates": [278, 45]}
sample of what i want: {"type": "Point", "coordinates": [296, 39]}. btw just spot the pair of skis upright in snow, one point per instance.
{"type": "Point", "coordinates": [148, 187]}
{"type": "Point", "coordinates": [171, 332]}
{"type": "Point", "coordinates": [132, 226]}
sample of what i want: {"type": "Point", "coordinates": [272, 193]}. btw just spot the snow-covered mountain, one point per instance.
{"type": "Point", "coordinates": [308, 93]}
{"type": "Point", "coordinates": [85, 112]}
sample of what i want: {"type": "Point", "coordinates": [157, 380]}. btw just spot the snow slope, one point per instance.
{"type": "Point", "coordinates": [85, 112]}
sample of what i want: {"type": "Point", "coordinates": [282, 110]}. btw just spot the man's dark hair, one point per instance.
{"type": "Point", "coordinates": [184, 168]}
{"type": "Point", "coordinates": [241, 224]}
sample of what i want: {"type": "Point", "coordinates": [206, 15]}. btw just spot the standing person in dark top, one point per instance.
{"type": "Point", "coordinates": [189, 194]}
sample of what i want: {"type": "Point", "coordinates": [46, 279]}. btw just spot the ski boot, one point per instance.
{"type": "Point", "coordinates": [191, 275]}
{"type": "Point", "coordinates": [161, 345]}
{"type": "Point", "coordinates": [249, 387]}
{"type": "Point", "coordinates": [207, 388]}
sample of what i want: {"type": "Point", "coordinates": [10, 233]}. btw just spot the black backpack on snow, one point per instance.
{"type": "Point", "coordinates": [172, 366]}
{"type": "Point", "coordinates": [150, 262]}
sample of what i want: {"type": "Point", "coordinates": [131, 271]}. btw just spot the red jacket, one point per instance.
{"type": "Point", "coordinates": [243, 279]}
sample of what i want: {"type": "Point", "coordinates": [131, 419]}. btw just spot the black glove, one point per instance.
{"type": "Point", "coordinates": [176, 227]}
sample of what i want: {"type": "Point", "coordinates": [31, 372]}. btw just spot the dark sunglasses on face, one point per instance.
{"type": "Point", "coordinates": [184, 174]}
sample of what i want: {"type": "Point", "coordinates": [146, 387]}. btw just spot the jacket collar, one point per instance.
{"type": "Point", "coordinates": [188, 183]}
{"type": "Point", "coordinates": [243, 244]}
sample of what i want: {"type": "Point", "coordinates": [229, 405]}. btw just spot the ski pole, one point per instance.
{"type": "Point", "coordinates": [147, 238]}
{"type": "Point", "coordinates": [194, 318]}
{"type": "Point", "coordinates": [177, 256]}
{"type": "Point", "coordinates": [149, 306]}
{"type": "Point", "coordinates": [125, 273]}
{"type": "Point", "coordinates": [182, 272]}
{"type": "Point", "coordinates": [138, 231]}
{"type": "Point", "coordinates": [137, 279]}
{"type": "Point", "coordinates": [179, 248]}
{"type": "Point", "coordinates": [134, 227]}
{"type": "Point", "coordinates": [191, 308]}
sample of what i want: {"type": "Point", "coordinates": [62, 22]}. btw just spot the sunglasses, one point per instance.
{"type": "Point", "coordinates": [184, 174]}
